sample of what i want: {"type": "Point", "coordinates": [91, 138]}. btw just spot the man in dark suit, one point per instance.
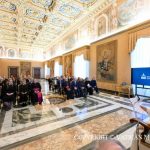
{"type": "Point", "coordinates": [60, 83]}
{"type": "Point", "coordinates": [67, 88]}
{"type": "Point", "coordinates": [93, 84]}
{"type": "Point", "coordinates": [23, 93]}
{"type": "Point", "coordinates": [88, 86]}
{"type": "Point", "coordinates": [75, 87]}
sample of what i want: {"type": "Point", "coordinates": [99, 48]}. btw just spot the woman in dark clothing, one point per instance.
{"type": "Point", "coordinates": [9, 94]}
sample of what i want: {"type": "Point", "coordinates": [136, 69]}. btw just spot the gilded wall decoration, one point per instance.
{"type": "Point", "coordinates": [130, 9]}
{"type": "Point", "coordinates": [106, 62]}
{"type": "Point", "coordinates": [25, 68]}
{"type": "Point", "coordinates": [2, 51]}
{"type": "Point", "coordinates": [25, 54]}
{"type": "Point", "coordinates": [68, 65]}
{"type": "Point", "coordinates": [87, 2]}
{"type": "Point", "coordinates": [113, 17]}
{"type": "Point", "coordinates": [102, 26]}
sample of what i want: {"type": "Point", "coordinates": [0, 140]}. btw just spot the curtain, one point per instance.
{"type": "Point", "coordinates": [140, 57]}
{"type": "Point", "coordinates": [57, 69]}
{"type": "Point", "coordinates": [81, 67]}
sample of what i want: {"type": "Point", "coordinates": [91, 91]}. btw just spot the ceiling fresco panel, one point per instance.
{"type": "Point", "coordinates": [7, 6]}
{"type": "Point", "coordinates": [44, 3]}
{"type": "Point", "coordinates": [70, 10]}
{"type": "Point", "coordinates": [9, 18]}
{"type": "Point", "coordinates": [57, 21]}
{"type": "Point", "coordinates": [35, 14]}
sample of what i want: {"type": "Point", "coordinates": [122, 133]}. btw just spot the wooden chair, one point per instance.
{"type": "Point", "coordinates": [123, 89]}
{"type": "Point", "coordinates": [145, 131]}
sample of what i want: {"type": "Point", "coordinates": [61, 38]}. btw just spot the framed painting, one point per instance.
{"type": "Point", "coordinates": [107, 62]}
{"type": "Point", "coordinates": [25, 68]}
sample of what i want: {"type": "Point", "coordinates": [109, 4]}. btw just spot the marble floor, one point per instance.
{"type": "Point", "coordinates": [70, 125]}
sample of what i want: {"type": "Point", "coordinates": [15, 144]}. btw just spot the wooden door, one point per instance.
{"type": "Point", "coordinates": [13, 71]}
{"type": "Point", "coordinates": [37, 72]}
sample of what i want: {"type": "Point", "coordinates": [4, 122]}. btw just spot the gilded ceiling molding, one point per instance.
{"type": "Point", "coordinates": [86, 3]}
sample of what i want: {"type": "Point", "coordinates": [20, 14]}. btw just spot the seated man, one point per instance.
{"type": "Point", "coordinates": [94, 85]}
{"type": "Point", "coordinates": [68, 91]}
{"type": "Point", "coordinates": [75, 87]}
{"type": "Point", "coordinates": [23, 93]}
{"type": "Point", "coordinates": [60, 84]}
{"type": "Point", "coordinates": [82, 88]}
{"type": "Point", "coordinates": [36, 96]}
{"type": "Point", "coordinates": [88, 86]}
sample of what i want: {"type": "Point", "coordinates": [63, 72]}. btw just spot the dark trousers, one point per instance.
{"type": "Point", "coordinates": [23, 98]}
{"type": "Point", "coordinates": [70, 94]}
{"type": "Point", "coordinates": [34, 98]}
{"type": "Point", "coordinates": [96, 89]}
{"type": "Point", "coordinates": [77, 93]}
{"type": "Point", "coordinates": [90, 90]}
{"type": "Point", "coordinates": [83, 92]}
{"type": "Point", "coordinates": [8, 100]}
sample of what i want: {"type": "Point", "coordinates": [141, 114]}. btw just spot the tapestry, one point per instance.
{"type": "Point", "coordinates": [68, 65]}
{"type": "Point", "coordinates": [106, 62]}
{"type": "Point", "coordinates": [25, 68]}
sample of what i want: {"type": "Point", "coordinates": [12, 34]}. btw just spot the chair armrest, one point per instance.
{"type": "Point", "coordinates": [145, 130]}
{"type": "Point", "coordinates": [145, 125]}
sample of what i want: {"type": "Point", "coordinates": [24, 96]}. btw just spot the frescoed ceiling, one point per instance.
{"type": "Point", "coordinates": [37, 23]}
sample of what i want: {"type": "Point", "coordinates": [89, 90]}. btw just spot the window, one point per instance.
{"type": "Point", "coordinates": [57, 69]}
{"type": "Point", "coordinates": [81, 67]}
{"type": "Point", "coordinates": [140, 58]}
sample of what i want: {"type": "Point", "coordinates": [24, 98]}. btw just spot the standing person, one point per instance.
{"type": "Point", "coordinates": [55, 84]}
{"type": "Point", "coordinates": [93, 83]}
{"type": "Point", "coordinates": [50, 81]}
{"type": "Point", "coordinates": [60, 84]}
